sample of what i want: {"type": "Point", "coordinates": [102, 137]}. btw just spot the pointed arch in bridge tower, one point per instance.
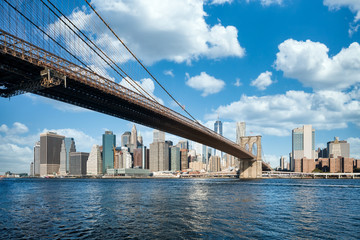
{"type": "Point", "coordinates": [251, 168]}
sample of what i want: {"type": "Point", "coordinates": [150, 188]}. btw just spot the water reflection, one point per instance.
{"type": "Point", "coordinates": [179, 208]}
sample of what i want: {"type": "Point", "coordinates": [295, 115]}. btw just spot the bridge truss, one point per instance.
{"type": "Point", "coordinates": [25, 67]}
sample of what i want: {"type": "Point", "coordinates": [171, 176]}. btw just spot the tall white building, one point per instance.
{"type": "Point", "coordinates": [303, 144]}
{"type": "Point", "coordinates": [94, 163]}
{"type": "Point", "coordinates": [159, 136]}
{"type": "Point", "coordinates": [133, 138]}
{"type": "Point", "coordinates": [37, 159]}
{"type": "Point", "coordinates": [126, 158]}
{"type": "Point", "coordinates": [62, 170]}
{"type": "Point", "coordinates": [218, 129]}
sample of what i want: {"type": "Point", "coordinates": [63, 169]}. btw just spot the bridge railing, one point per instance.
{"type": "Point", "coordinates": [19, 48]}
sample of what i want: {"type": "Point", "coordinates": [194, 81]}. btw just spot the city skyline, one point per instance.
{"type": "Point", "coordinates": [240, 75]}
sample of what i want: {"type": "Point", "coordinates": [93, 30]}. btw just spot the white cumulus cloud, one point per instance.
{"type": "Point", "coordinates": [277, 114]}
{"type": "Point", "coordinates": [174, 30]}
{"type": "Point", "coordinates": [205, 83]}
{"type": "Point", "coordinates": [169, 73]}
{"type": "Point", "coordinates": [146, 84]}
{"type": "Point", "coordinates": [262, 81]}
{"type": "Point", "coordinates": [16, 145]}
{"type": "Point", "coordinates": [238, 83]}
{"type": "Point", "coordinates": [310, 63]}
{"type": "Point", "coordinates": [83, 141]}
{"type": "Point", "coordinates": [353, 5]}
{"type": "Point", "coordinates": [220, 2]}
{"type": "Point", "coordinates": [267, 3]}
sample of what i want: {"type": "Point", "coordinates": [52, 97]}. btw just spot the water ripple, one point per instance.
{"type": "Point", "coordinates": [179, 209]}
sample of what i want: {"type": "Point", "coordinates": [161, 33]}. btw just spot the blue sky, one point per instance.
{"type": "Point", "coordinates": [275, 64]}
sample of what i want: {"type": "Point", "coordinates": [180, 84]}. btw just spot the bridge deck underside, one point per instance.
{"type": "Point", "coordinates": [15, 72]}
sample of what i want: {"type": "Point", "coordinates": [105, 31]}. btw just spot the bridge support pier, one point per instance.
{"type": "Point", "coordinates": [251, 168]}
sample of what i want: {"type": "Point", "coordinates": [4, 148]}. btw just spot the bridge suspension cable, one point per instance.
{"type": "Point", "coordinates": [102, 52]}
{"type": "Point", "coordinates": [152, 76]}
{"type": "Point", "coordinates": [35, 25]}
{"type": "Point", "coordinates": [85, 45]}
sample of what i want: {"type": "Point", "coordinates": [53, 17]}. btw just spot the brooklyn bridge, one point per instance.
{"type": "Point", "coordinates": [44, 52]}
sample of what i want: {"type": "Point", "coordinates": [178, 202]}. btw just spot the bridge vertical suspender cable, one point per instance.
{"type": "Point", "coordinates": [98, 49]}
{"type": "Point", "coordinates": [112, 31]}
{"type": "Point", "coordinates": [48, 36]}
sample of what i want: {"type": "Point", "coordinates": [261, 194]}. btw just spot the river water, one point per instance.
{"type": "Point", "coordinates": [179, 209]}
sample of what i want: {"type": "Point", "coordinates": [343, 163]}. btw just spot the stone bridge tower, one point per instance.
{"type": "Point", "coordinates": [251, 168]}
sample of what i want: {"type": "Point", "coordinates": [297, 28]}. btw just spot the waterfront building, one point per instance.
{"type": "Point", "coordinates": [175, 158]}
{"type": "Point", "coordinates": [184, 159]}
{"type": "Point", "coordinates": [214, 164]}
{"type": "Point", "coordinates": [197, 166]}
{"type": "Point", "coordinates": [133, 139]}
{"type": "Point", "coordinates": [62, 169]}
{"type": "Point", "coordinates": [159, 156]}
{"type": "Point", "coordinates": [77, 163]}
{"type": "Point", "coordinates": [37, 159]}
{"type": "Point", "coordinates": [125, 139]}
{"type": "Point", "coordinates": [140, 139]}
{"type": "Point", "coordinates": [303, 143]}
{"type": "Point", "coordinates": [94, 162]}
{"type": "Point", "coordinates": [118, 159]}
{"type": "Point", "coordinates": [229, 162]}
{"type": "Point", "coordinates": [146, 157]}
{"type": "Point", "coordinates": [127, 158]}
{"type": "Point", "coordinates": [240, 131]}
{"type": "Point", "coordinates": [322, 153]}
{"type": "Point", "coordinates": [50, 147]}
{"type": "Point", "coordinates": [140, 157]}
{"type": "Point", "coordinates": [183, 144]}
{"type": "Point", "coordinates": [67, 146]}
{"type": "Point", "coordinates": [109, 144]}
{"type": "Point", "coordinates": [137, 155]}
{"type": "Point", "coordinates": [282, 163]}
{"type": "Point", "coordinates": [32, 169]}
{"type": "Point", "coordinates": [158, 136]}
{"type": "Point", "coordinates": [338, 148]}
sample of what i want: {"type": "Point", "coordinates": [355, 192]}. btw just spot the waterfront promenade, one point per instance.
{"type": "Point", "coordinates": [279, 174]}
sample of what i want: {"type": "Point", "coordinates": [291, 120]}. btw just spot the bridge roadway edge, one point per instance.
{"type": "Point", "coordinates": [83, 95]}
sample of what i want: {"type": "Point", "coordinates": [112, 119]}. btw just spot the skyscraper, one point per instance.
{"type": "Point", "coordinates": [240, 131]}
{"type": "Point", "coordinates": [338, 148]}
{"type": "Point", "coordinates": [109, 143]}
{"type": "Point", "coordinates": [63, 163]}
{"type": "Point", "coordinates": [214, 164]}
{"type": "Point", "coordinates": [31, 169]}
{"type": "Point", "coordinates": [175, 158]}
{"type": "Point", "coordinates": [125, 139]}
{"type": "Point", "coordinates": [67, 146]}
{"type": "Point", "coordinates": [303, 143]}
{"type": "Point", "coordinates": [94, 163]}
{"type": "Point", "coordinates": [37, 159]}
{"type": "Point", "coordinates": [183, 144]}
{"type": "Point", "coordinates": [159, 136]}
{"type": "Point", "coordinates": [140, 139]}
{"type": "Point", "coordinates": [184, 159]}
{"type": "Point", "coordinates": [133, 139]}
{"type": "Point", "coordinates": [159, 156]}
{"type": "Point", "coordinates": [77, 163]}
{"type": "Point", "coordinates": [282, 163]}
{"type": "Point", "coordinates": [50, 147]}
{"type": "Point", "coordinates": [218, 129]}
